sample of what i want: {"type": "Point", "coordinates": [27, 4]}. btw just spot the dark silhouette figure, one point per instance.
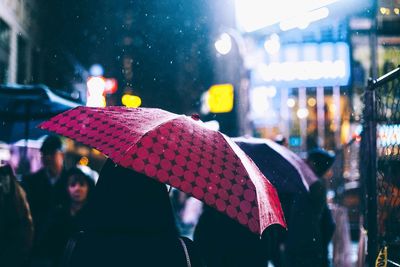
{"type": "Point", "coordinates": [310, 224]}
{"type": "Point", "coordinates": [16, 227]}
{"type": "Point", "coordinates": [129, 223]}
{"type": "Point", "coordinates": [45, 190]}
{"type": "Point", "coordinates": [223, 242]}
{"type": "Point", "coordinates": [67, 218]}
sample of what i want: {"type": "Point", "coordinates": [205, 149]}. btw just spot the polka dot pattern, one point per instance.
{"type": "Point", "coordinates": [181, 152]}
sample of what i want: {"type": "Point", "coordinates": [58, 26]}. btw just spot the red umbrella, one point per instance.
{"type": "Point", "coordinates": [179, 151]}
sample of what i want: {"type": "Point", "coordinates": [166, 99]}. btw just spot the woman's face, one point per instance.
{"type": "Point", "coordinates": [77, 190]}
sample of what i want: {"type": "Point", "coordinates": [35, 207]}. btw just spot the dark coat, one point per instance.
{"type": "Point", "coordinates": [43, 197]}
{"type": "Point", "coordinates": [223, 242]}
{"type": "Point", "coordinates": [60, 227]}
{"type": "Point", "coordinates": [16, 227]}
{"type": "Point", "coordinates": [310, 229]}
{"type": "Point", "coordinates": [129, 223]}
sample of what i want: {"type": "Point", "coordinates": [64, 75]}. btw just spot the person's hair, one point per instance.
{"type": "Point", "coordinates": [75, 175]}
{"type": "Point", "coordinates": [51, 144]}
{"type": "Point", "coordinates": [320, 160]}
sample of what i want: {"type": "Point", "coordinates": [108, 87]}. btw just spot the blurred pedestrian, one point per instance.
{"type": "Point", "coordinates": [223, 242]}
{"type": "Point", "coordinates": [45, 189]}
{"type": "Point", "coordinates": [66, 219]}
{"type": "Point", "coordinates": [129, 222]}
{"type": "Point", "coordinates": [16, 227]}
{"type": "Point", "coordinates": [310, 225]}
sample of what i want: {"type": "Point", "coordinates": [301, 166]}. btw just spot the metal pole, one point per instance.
{"type": "Point", "coordinates": [373, 40]}
{"type": "Point", "coordinates": [336, 119]}
{"type": "Point", "coordinates": [370, 175]}
{"type": "Point", "coordinates": [303, 120]}
{"type": "Point", "coordinates": [321, 116]}
{"type": "Point", "coordinates": [284, 110]}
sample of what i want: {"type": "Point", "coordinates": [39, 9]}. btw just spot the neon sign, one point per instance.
{"type": "Point", "coordinates": [306, 65]}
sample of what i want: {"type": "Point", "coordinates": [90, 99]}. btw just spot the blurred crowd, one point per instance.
{"type": "Point", "coordinates": [59, 217]}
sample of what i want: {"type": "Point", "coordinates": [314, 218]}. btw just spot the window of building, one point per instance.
{"type": "Point", "coordinates": [4, 50]}
{"type": "Point", "coordinates": [22, 60]}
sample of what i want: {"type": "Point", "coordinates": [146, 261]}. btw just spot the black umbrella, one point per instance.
{"type": "Point", "coordinates": [22, 107]}
{"type": "Point", "coordinates": [283, 168]}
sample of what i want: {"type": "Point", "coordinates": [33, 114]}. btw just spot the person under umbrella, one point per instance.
{"type": "Point", "coordinates": [129, 222]}
{"type": "Point", "coordinates": [179, 151]}
{"type": "Point", "coordinates": [302, 196]}
{"type": "Point", "coordinates": [225, 243]}
{"type": "Point", "coordinates": [311, 226]}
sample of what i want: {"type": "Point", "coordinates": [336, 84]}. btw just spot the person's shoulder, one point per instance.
{"type": "Point", "coordinates": [33, 177]}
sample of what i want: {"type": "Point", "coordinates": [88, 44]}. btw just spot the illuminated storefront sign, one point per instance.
{"type": "Point", "coordinates": [253, 15]}
{"type": "Point", "coordinates": [306, 65]}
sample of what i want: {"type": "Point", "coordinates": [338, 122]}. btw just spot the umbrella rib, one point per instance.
{"type": "Point", "coordinates": [242, 156]}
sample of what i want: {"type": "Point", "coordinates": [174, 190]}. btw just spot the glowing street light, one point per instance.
{"type": "Point", "coordinates": [95, 92]}
{"type": "Point", "coordinates": [291, 102]}
{"type": "Point", "coordinates": [302, 113]}
{"type": "Point", "coordinates": [224, 44]}
{"type": "Point", "coordinates": [272, 45]}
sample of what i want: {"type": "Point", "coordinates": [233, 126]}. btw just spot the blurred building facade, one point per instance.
{"type": "Point", "coordinates": [309, 68]}
{"type": "Point", "coordinates": [19, 41]}
{"type": "Point", "coordinates": [308, 77]}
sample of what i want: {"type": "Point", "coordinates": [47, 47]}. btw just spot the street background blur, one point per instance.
{"type": "Point", "coordinates": [295, 71]}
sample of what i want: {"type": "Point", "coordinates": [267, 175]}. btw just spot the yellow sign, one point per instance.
{"type": "Point", "coordinates": [381, 260]}
{"type": "Point", "coordinates": [131, 101]}
{"type": "Point", "coordinates": [220, 98]}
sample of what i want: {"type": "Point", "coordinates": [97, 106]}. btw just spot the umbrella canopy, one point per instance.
{"type": "Point", "coordinates": [179, 151]}
{"type": "Point", "coordinates": [286, 171]}
{"type": "Point", "coordinates": [24, 106]}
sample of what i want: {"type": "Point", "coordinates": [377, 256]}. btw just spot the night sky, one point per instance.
{"type": "Point", "coordinates": [167, 43]}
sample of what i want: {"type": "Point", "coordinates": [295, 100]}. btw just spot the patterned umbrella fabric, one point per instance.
{"type": "Point", "coordinates": [179, 151]}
